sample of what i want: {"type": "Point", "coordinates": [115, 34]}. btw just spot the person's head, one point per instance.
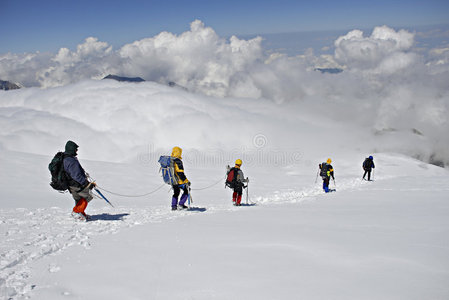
{"type": "Point", "coordinates": [176, 152]}
{"type": "Point", "coordinates": [71, 148]}
{"type": "Point", "coordinates": [371, 157]}
{"type": "Point", "coordinates": [238, 163]}
{"type": "Point", "coordinates": [329, 161]}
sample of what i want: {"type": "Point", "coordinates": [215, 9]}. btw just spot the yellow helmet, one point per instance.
{"type": "Point", "coordinates": [176, 152]}
{"type": "Point", "coordinates": [329, 160]}
{"type": "Point", "coordinates": [238, 162]}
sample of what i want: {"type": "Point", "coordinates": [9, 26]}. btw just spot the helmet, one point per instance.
{"type": "Point", "coordinates": [329, 160]}
{"type": "Point", "coordinates": [177, 152]}
{"type": "Point", "coordinates": [370, 157]}
{"type": "Point", "coordinates": [238, 162]}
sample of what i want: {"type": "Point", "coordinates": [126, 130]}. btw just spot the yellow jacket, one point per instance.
{"type": "Point", "coordinates": [179, 168]}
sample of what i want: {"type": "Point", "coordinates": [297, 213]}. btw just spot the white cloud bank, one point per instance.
{"type": "Point", "coordinates": [387, 85]}
{"type": "Point", "coordinates": [386, 50]}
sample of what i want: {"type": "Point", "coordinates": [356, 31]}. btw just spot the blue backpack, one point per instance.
{"type": "Point", "coordinates": [168, 170]}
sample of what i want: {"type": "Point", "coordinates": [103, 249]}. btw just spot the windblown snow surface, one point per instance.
{"type": "Point", "coordinates": [385, 239]}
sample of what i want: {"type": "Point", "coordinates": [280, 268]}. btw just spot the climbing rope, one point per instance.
{"type": "Point", "coordinates": [132, 196]}
{"type": "Point", "coordinates": [209, 186]}
{"type": "Point", "coordinates": [153, 191]}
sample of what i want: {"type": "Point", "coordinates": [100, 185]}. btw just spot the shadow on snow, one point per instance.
{"type": "Point", "coordinates": [247, 204]}
{"type": "Point", "coordinates": [198, 209]}
{"type": "Point", "coordinates": [108, 217]}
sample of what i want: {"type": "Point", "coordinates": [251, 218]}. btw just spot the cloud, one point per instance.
{"type": "Point", "coordinates": [198, 59]}
{"type": "Point", "coordinates": [92, 59]}
{"type": "Point", "coordinates": [380, 51]}
{"type": "Point", "coordinates": [22, 68]}
{"type": "Point", "coordinates": [388, 85]}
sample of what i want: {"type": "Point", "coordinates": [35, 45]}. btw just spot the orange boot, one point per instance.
{"type": "Point", "coordinates": [80, 207]}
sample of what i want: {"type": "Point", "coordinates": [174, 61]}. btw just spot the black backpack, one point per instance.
{"type": "Point", "coordinates": [59, 178]}
{"type": "Point", "coordinates": [231, 178]}
{"type": "Point", "coordinates": [323, 171]}
{"type": "Point", "coordinates": [367, 164]}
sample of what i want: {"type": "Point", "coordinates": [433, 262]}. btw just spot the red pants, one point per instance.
{"type": "Point", "coordinates": [237, 198]}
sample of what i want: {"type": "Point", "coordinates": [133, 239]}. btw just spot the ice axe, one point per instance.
{"type": "Point", "coordinates": [102, 196]}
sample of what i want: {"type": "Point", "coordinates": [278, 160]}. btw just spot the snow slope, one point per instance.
{"type": "Point", "coordinates": [385, 239]}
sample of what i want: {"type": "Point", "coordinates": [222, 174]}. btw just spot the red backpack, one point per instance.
{"type": "Point", "coordinates": [231, 177]}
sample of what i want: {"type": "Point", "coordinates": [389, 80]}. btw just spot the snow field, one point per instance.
{"type": "Point", "coordinates": [385, 239]}
{"type": "Point", "coordinates": [390, 233]}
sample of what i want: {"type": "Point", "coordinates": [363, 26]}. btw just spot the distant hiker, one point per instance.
{"type": "Point", "coordinates": [79, 186]}
{"type": "Point", "coordinates": [181, 181]}
{"type": "Point", "coordinates": [235, 180]}
{"type": "Point", "coordinates": [367, 165]}
{"type": "Point", "coordinates": [326, 172]}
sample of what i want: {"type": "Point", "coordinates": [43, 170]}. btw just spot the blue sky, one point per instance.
{"type": "Point", "coordinates": [47, 25]}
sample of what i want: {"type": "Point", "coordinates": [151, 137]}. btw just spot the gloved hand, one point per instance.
{"type": "Point", "coordinates": [189, 183]}
{"type": "Point", "coordinates": [92, 185]}
{"type": "Point", "coordinates": [247, 179]}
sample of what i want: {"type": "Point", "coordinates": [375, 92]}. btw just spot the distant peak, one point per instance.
{"type": "Point", "coordinates": [329, 70]}
{"type": "Point", "coordinates": [126, 79]}
{"type": "Point", "coordinates": [6, 85]}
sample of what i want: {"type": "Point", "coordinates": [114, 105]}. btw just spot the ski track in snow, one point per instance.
{"type": "Point", "coordinates": [29, 235]}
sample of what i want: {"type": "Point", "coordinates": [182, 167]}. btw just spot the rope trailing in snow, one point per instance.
{"type": "Point", "coordinates": [154, 191]}
{"type": "Point", "coordinates": [209, 186]}
{"type": "Point", "coordinates": [132, 196]}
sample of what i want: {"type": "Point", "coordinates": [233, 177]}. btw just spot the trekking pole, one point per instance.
{"type": "Point", "coordinates": [247, 188]}
{"type": "Point", "coordinates": [189, 197]}
{"type": "Point", "coordinates": [102, 196]}
{"type": "Point", "coordinates": [373, 173]}
{"type": "Point", "coordinates": [316, 179]}
{"type": "Point", "coordinates": [333, 179]}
